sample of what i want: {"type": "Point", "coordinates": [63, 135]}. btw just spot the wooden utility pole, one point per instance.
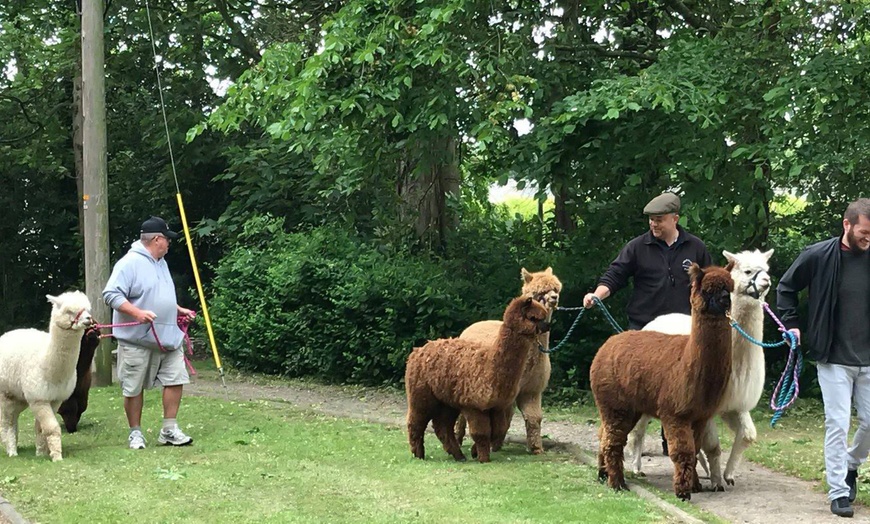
{"type": "Point", "coordinates": [95, 200]}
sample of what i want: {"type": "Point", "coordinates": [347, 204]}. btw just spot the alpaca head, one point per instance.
{"type": "Point", "coordinates": [711, 289]}
{"type": "Point", "coordinates": [526, 316]}
{"type": "Point", "coordinates": [750, 273]}
{"type": "Point", "coordinates": [543, 286]}
{"type": "Point", "coordinates": [71, 311]}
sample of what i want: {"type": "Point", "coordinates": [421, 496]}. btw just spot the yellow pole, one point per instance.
{"type": "Point", "coordinates": [217, 358]}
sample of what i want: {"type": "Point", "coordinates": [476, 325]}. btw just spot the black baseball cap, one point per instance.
{"type": "Point", "coordinates": [157, 225]}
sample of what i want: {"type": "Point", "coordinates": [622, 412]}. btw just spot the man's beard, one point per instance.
{"type": "Point", "coordinates": [854, 243]}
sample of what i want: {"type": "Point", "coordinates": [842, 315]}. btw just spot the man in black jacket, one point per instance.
{"type": "Point", "coordinates": [837, 274]}
{"type": "Point", "coordinates": [658, 261]}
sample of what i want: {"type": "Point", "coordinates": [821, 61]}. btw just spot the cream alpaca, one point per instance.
{"type": "Point", "coordinates": [38, 370]}
{"type": "Point", "coordinates": [751, 283]}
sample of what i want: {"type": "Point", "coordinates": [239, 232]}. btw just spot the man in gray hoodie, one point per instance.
{"type": "Point", "coordinates": [141, 290]}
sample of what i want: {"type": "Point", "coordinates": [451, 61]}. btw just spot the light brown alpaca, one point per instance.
{"type": "Point", "coordinates": [544, 287]}
{"type": "Point", "coordinates": [447, 376]}
{"type": "Point", "coordinates": [679, 379]}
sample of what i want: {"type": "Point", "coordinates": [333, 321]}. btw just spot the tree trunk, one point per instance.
{"type": "Point", "coordinates": [425, 182]}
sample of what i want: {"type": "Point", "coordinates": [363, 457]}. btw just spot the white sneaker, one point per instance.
{"type": "Point", "coordinates": [137, 440]}
{"type": "Point", "coordinates": [174, 437]}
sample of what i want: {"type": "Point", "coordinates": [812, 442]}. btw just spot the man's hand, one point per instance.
{"type": "Point", "coordinates": [144, 316]}
{"type": "Point", "coordinates": [589, 300]}
{"type": "Point", "coordinates": [797, 335]}
{"type": "Point", "coordinates": [184, 312]}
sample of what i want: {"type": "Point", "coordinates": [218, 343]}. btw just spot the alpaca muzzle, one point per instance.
{"type": "Point", "coordinates": [83, 318]}
{"type": "Point", "coordinates": [542, 327]}
{"type": "Point", "coordinates": [719, 304]}
{"type": "Point", "coordinates": [756, 288]}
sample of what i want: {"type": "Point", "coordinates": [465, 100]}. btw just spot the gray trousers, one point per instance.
{"type": "Point", "coordinates": [840, 384]}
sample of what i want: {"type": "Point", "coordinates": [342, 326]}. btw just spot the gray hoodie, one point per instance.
{"type": "Point", "coordinates": [145, 283]}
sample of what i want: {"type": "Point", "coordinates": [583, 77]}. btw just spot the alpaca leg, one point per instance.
{"type": "Point", "coordinates": [612, 448]}
{"type": "Point", "coordinates": [602, 471]}
{"type": "Point", "coordinates": [443, 422]}
{"type": "Point", "coordinates": [530, 406]}
{"type": "Point", "coordinates": [744, 435]}
{"type": "Point", "coordinates": [500, 420]}
{"type": "Point", "coordinates": [681, 449]}
{"type": "Point", "coordinates": [9, 412]}
{"type": "Point", "coordinates": [39, 437]}
{"type": "Point", "coordinates": [709, 442]}
{"type": "Point", "coordinates": [480, 426]}
{"type": "Point", "coordinates": [635, 444]}
{"type": "Point", "coordinates": [460, 428]}
{"type": "Point", "coordinates": [417, 423]}
{"type": "Point", "coordinates": [49, 428]}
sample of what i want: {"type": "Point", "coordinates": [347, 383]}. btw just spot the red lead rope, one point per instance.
{"type": "Point", "coordinates": [183, 324]}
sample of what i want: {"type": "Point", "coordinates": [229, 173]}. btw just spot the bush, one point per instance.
{"type": "Point", "coordinates": [327, 305]}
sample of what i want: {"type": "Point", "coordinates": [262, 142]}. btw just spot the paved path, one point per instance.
{"type": "Point", "coordinates": [760, 496]}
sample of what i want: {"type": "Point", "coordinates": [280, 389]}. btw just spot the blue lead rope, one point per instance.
{"type": "Point", "coordinates": [581, 310]}
{"type": "Point", "coordinates": [788, 387]}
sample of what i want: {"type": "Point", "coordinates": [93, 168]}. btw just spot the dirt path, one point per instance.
{"type": "Point", "coordinates": [760, 496]}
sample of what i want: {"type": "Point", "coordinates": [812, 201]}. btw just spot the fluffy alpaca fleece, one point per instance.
{"type": "Point", "coordinates": [751, 284]}
{"type": "Point", "coordinates": [679, 379]}
{"type": "Point", "coordinates": [544, 287]}
{"type": "Point", "coordinates": [38, 370]}
{"type": "Point", "coordinates": [447, 376]}
{"type": "Point", "coordinates": [72, 408]}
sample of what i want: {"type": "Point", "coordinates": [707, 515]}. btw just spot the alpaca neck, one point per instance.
{"type": "Point", "coordinates": [749, 315]}
{"type": "Point", "coordinates": [709, 351]}
{"type": "Point", "coordinates": [61, 357]}
{"type": "Point", "coordinates": [511, 351]}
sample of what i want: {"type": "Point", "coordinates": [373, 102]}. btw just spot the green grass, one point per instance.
{"type": "Point", "coordinates": [262, 462]}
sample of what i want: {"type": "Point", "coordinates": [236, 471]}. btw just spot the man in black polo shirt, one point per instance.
{"type": "Point", "coordinates": [658, 261]}
{"type": "Point", "coordinates": [837, 273]}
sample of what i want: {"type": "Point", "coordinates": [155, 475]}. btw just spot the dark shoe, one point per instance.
{"type": "Point", "coordinates": [852, 482]}
{"type": "Point", "coordinates": [664, 444]}
{"type": "Point", "coordinates": [841, 507]}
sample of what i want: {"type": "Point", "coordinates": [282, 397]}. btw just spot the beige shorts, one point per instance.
{"type": "Point", "coordinates": [140, 368]}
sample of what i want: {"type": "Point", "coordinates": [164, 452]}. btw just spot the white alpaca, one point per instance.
{"type": "Point", "coordinates": [38, 370]}
{"type": "Point", "coordinates": [751, 283]}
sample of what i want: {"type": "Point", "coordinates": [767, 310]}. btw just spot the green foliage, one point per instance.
{"type": "Point", "coordinates": [323, 304]}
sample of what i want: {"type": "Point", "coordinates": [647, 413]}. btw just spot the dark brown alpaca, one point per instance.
{"type": "Point", "coordinates": [72, 408]}
{"type": "Point", "coordinates": [449, 376]}
{"type": "Point", "coordinates": [679, 379]}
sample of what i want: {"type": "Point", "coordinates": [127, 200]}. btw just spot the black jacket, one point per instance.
{"type": "Point", "coordinates": [816, 268]}
{"type": "Point", "coordinates": [661, 280]}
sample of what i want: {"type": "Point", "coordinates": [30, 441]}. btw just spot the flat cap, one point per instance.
{"type": "Point", "coordinates": [663, 204]}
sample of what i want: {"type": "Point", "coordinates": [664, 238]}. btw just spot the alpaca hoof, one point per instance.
{"type": "Point", "coordinates": [717, 488]}
{"type": "Point", "coordinates": [639, 473]}
{"type": "Point", "coordinates": [537, 451]}
{"type": "Point", "coordinates": [697, 488]}
{"type": "Point", "coordinates": [474, 451]}
{"type": "Point", "coordinates": [685, 497]}
{"type": "Point", "coordinates": [728, 481]}
{"type": "Point", "coordinates": [12, 453]}
{"type": "Point", "coordinates": [460, 458]}
{"type": "Point", "coordinates": [602, 475]}
{"type": "Point", "coordinates": [56, 458]}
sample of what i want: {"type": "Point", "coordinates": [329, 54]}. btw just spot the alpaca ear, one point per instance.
{"type": "Point", "coordinates": [729, 256]}
{"type": "Point", "coordinates": [767, 254]}
{"type": "Point", "coordinates": [527, 277]}
{"type": "Point", "coordinates": [730, 266]}
{"type": "Point", "coordinates": [548, 271]}
{"type": "Point", "coordinates": [696, 274]}
{"type": "Point", "coordinates": [53, 299]}
{"type": "Point", "coordinates": [527, 303]}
